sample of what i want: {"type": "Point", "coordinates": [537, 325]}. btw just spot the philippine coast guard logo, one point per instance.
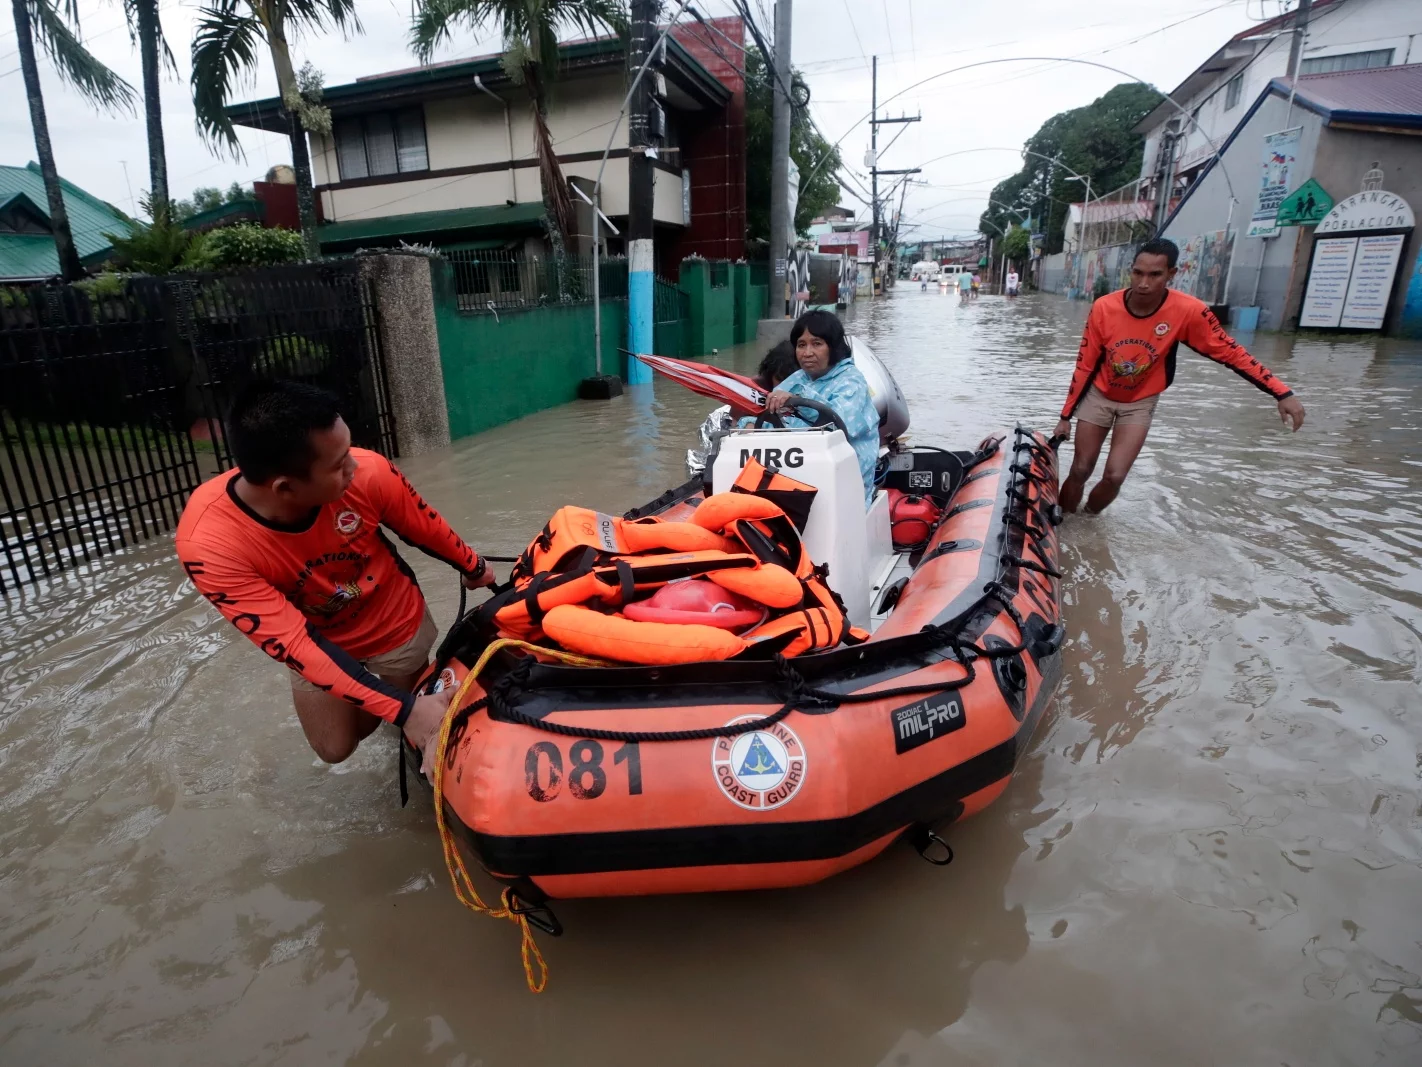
{"type": "Point", "coordinates": [348, 522]}
{"type": "Point", "coordinates": [1162, 328]}
{"type": "Point", "coordinates": [762, 769]}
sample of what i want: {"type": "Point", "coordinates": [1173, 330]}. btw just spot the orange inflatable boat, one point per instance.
{"type": "Point", "coordinates": [919, 674]}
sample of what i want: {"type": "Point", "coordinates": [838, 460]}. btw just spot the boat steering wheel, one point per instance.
{"type": "Point", "coordinates": [824, 416]}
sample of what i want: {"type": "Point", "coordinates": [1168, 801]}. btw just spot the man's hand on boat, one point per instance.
{"type": "Point", "coordinates": [480, 577]}
{"type": "Point", "coordinates": [1063, 430]}
{"type": "Point", "coordinates": [1290, 408]}
{"type": "Point", "coordinates": [422, 727]}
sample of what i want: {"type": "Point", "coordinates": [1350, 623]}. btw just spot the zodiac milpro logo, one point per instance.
{"type": "Point", "coordinates": [924, 720]}
{"type": "Point", "coordinates": [762, 769]}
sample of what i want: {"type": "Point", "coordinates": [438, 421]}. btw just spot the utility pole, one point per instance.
{"type": "Point", "coordinates": [1296, 53]}
{"type": "Point", "coordinates": [876, 282]}
{"type": "Point", "coordinates": [874, 178]}
{"type": "Point", "coordinates": [1300, 31]}
{"type": "Point", "coordinates": [781, 224]}
{"type": "Point", "coordinates": [640, 178]}
{"type": "Point", "coordinates": [1164, 174]}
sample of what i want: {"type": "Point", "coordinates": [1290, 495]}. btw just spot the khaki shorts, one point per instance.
{"type": "Point", "coordinates": [1097, 410]}
{"type": "Point", "coordinates": [412, 656]}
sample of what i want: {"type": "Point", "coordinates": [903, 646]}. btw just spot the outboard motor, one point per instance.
{"type": "Point", "coordinates": [888, 398]}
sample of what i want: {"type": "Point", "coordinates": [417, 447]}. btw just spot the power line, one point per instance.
{"type": "Point", "coordinates": [849, 15]}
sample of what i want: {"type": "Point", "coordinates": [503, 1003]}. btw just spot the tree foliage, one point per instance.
{"type": "Point", "coordinates": [1016, 244]}
{"type": "Point", "coordinates": [818, 190]}
{"type": "Point", "coordinates": [1096, 141]}
{"type": "Point", "coordinates": [159, 246]}
{"type": "Point", "coordinates": [207, 197]}
{"type": "Point", "coordinates": [250, 245]}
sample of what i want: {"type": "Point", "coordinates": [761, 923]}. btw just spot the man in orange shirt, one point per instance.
{"type": "Point", "coordinates": [1127, 359]}
{"type": "Point", "coordinates": [288, 547]}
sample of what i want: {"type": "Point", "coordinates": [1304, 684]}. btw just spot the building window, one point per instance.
{"type": "Point", "coordinates": [1382, 57]}
{"type": "Point", "coordinates": [1232, 90]}
{"type": "Point", "coordinates": [384, 142]}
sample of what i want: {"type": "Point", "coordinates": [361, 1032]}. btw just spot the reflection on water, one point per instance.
{"type": "Point", "coordinates": [1210, 854]}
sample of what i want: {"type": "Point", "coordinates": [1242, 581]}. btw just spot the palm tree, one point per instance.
{"type": "Point", "coordinates": [56, 29]}
{"type": "Point", "coordinates": [225, 51]}
{"type": "Point", "coordinates": [144, 27]}
{"type": "Point", "coordinates": [529, 29]}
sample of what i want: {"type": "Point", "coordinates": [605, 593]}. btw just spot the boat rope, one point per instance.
{"type": "Point", "coordinates": [535, 968]}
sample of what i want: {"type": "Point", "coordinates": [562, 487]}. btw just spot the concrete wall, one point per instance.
{"type": "Point", "coordinates": [1272, 271]}
{"type": "Point", "coordinates": [402, 288]}
{"type": "Point", "coordinates": [1052, 276]}
{"type": "Point", "coordinates": [499, 368]}
{"type": "Point", "coordinates": [1342, 159]}
{"type": "Point", "coordinates": [469, 130]}
{"type": "Point", "coordinates": [713, 310]}
{"type": "Point", "coordinates": [1268, 261]}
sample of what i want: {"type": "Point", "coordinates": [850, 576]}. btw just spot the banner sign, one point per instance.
{"type": "Point", "coordinates": [1281, 152]}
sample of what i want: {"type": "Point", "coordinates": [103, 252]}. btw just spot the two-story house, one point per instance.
{"type": "Point", "coordinates": [1341, 35]}
{"type": "Point", "coordinates": [443, 154]}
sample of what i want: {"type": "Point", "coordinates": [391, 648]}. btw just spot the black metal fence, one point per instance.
{"type": "Point", "coordinates": [111, 398]}
{"type": "Point", "coordinates": [501, 279]}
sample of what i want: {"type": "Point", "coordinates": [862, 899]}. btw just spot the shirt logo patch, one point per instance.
{"type": "Point", "coordinates": [1162, 328]}
{"type": "Point", "coordinates": [348, 522]}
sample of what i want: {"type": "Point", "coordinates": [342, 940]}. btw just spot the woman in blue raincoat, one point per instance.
{"type": "Point", "coordinates": [827, 373]}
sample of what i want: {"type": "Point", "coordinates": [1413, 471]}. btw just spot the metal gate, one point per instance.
{"type": "Point", "coordinates": [111, 400]}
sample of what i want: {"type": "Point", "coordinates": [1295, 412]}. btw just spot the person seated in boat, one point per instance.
{"type": "Point", "coordinates": [288, 548]}
{"type": "Point", "coordinates": [827, 373]}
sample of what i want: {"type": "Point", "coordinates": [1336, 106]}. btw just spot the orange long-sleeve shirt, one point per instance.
{"type": "Point", "coordinates": [1128, 357]}
{"type": "Point", "coordinates": [326, 593]}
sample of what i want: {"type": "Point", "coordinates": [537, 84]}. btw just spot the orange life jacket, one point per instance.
{"type": "Point", "coordinates": [741, 540]}
{"type": "Point", "coordinates": [573, 530]}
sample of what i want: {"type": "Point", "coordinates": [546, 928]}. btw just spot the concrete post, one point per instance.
{"type": "Point", "coordinates": [405, 324]}
{"type": "Point", "coordinates": [695, 281]}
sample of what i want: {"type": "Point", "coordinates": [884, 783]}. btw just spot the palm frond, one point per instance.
{"type": "Point", "coordinates": [436, 20]}
{"type": "Point", "coordinates": [75, 63]}
{"type": "Point", "coordinates": [225, 53]}
{"type": "Point", "coordinates": [300, 15]}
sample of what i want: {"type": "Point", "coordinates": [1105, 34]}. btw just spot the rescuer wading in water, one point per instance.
{"type": "Point", "coordinates": [1127, 359]}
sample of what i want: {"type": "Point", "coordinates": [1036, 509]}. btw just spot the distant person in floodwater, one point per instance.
{"type": "Point", "coordinates": [289, 549]}
{"type": "Point", "coordinates": [1012, 282]}
{"type": "Point", "coordinates": [977, 284]}
{"type": "Point", "coordinates": [965, 287]}
{"type": "Point", "coordinates": [1127, 359]}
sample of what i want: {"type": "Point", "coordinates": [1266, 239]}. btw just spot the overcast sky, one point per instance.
{"type": "Point", "coordinates": [990, 107]}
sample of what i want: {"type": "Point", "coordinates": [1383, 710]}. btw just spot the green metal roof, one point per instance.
{"type": "Point", "coordinates": [248, 208]}
{"type": "Point", "coordinates": [461, 223]}
{"type": "Point", "coordinates": [25, 255]}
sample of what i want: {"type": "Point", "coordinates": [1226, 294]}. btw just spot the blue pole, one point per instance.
{"type": "Point", "coordinates": [639, 310]}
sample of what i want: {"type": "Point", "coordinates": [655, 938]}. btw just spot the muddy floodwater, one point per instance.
{"type": "Point", "coordinates": [1210, 854]}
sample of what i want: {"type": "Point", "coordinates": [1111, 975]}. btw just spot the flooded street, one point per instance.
{"type": "Point", "coordinates": [1210, 854]}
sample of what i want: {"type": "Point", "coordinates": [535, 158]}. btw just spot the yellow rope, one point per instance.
{"type": "Point", "coordinates": [535, 970]}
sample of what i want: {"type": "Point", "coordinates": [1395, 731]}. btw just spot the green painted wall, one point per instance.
{"type": "Point", "coordinates": [713, 311]}
{"type": "Point", "coordinates": [500, 369]}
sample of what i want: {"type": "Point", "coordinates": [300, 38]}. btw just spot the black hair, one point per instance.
{"type": "Point", "coordinates": [269, 428]}
{"type": "Point", "coordinates": [1160, 246]}
{"type": "Point", "coordinates": [779, 363]}
{"type": "Point", "coordinates": [826, 326]}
